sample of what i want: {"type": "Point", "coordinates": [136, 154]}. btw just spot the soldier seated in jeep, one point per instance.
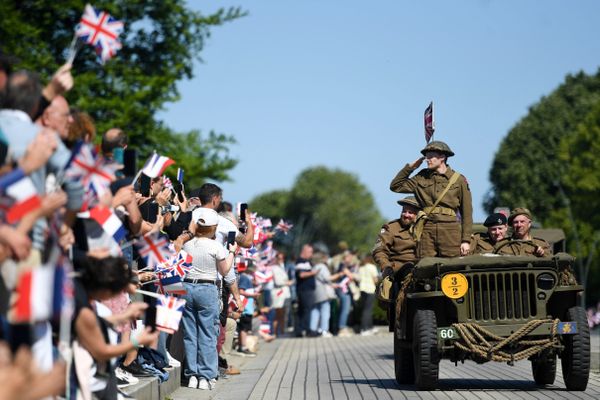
{"type": "Point", "coordinates": [497, 227]}
{"type": "Point", "coordinates": [521, 242]}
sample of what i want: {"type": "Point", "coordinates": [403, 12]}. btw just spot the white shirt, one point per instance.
{"type": "Point", "coordinates": [206, 253]}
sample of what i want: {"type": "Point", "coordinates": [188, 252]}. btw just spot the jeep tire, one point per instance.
{"type": "Point", "coordinates": [544, 369]}
{"type": "Point", "coordinates": [425, 350]}
{"type": "Point", "coordinates": [575, 358]}
{"type": "Point", "coordinates": [403, 362]}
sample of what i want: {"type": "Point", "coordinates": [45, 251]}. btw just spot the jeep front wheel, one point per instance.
{"type": "Point", "coordinates": [425, 350]}
{"type": "Point", "coordinates": [575, 358]}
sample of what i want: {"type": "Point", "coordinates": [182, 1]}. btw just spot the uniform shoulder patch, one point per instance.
{"type": "Point", "coordinates": [466, 182]}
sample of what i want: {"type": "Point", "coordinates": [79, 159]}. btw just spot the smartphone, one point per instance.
{"type": "Point", "coordinates": [118, 155]}
{"type": "Point", "coordinates": [150, 317]}
{"type": "Point", "coordinates": [243, 208]}
{"type": "Point", "coordinates": [145, 185]}
{"type": "Point", "coordinates": [178, 187]}
{"type": "Point", "coordinates": [20, 335]}
{"type": "Point", "coordinates": [230, 237]}
{"type": "Point", "coordinates": [129, 162]}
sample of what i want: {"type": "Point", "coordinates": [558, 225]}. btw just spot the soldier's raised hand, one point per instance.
{"type": "Point", "coordinates": [417, 163]}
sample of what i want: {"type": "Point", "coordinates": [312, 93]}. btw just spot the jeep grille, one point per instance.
{"type": "Point", "coordinates": [502, 295]}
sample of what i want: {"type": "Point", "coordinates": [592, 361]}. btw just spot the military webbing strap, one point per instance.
{"type": "Point", "coordinates": [417, 227]}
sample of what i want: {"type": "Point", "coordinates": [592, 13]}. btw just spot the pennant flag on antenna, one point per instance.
{"type": "Point", "coordinates": [429, 122]}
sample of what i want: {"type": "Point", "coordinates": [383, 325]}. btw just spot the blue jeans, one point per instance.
{"type": "Point", "coordinates": [345, 303]}
{"type": "Point", "coordinates": [319, 316]}
{"type": "Point", "coordinates": [201, 330]}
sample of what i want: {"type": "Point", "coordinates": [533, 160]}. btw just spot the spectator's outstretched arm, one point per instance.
{"type": "Point", "coordinates": [248, 238]}
{"type": "Point", "coordinates": [61, 82]}
{"type": "Point", "coordinates": [91, 338]}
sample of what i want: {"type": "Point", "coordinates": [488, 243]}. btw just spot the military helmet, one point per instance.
{"type": "Point", "coordinates": [437, 145]}
{"type": "Point", "coordinates": [409, 201]}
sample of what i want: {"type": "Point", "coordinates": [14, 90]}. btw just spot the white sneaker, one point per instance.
{"type": "Point", "coordinates": [193, 382]}
{"type": "Point", "coordinates": [345, 332]}
{"type": "Point", "coordinates": [173, 362]}
{"type": "Point", "coordinates": [126, 376]}
{"type": "Point", "coordinates": [366, 333]}
{"type": "Point", "coordinates": [326, 334]}
{"type": "Point", "coordinates": [212, 383]}
{"type": "Point", "coordinates": [203, 384]}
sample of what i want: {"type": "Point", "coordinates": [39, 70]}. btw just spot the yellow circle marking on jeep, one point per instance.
{"type": "Point", "coordinates": [455, 285]}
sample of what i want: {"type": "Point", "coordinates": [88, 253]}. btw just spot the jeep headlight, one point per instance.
{"type": "Point", "coordinates": [546, 281]}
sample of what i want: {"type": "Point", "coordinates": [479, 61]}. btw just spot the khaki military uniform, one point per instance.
{"type": "Point", "coordinates": [442, 232]}
{"type": "Point", "coordinates": [481, 244]}
{"type": "Point", "coordinates": [521, 248]}
{"type": "Point", "coordinates": [395, 246]}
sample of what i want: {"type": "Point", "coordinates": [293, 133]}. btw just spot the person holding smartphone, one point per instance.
{"type": "Point", "coordinates": [201, 313]}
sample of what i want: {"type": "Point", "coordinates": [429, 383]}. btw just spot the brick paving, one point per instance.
{"type": "Point", "coordinates": [363, 368]}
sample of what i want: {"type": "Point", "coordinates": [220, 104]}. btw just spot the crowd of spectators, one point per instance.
{"type": "Point", "coordinates": [79, 294]}
{"type": "Point", "coordinates": [593, 316]}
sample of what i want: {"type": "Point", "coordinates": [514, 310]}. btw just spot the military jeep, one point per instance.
{"type": "Point", "coordinates": [490, 308]}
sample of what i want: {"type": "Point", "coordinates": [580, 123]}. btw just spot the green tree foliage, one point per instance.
{"type": "Point", "coordinates": [161, 40]}
{"type": "Point", "coordinates": [579, 188]}
{"type": "Point", "coordinates": [326, 206]}
{"type": "Point", "coordinates": [526, 165]}
{"type": "Point", "coordinates": [548, 162]}
{"type": "Point", "coordinates": [272, 204]}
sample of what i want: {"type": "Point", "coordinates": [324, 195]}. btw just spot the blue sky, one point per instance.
{"type": "Point", "coordinates": [344, 84]}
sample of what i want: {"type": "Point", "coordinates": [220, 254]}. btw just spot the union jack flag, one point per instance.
{"type": "Point", "coordinates": [93, 170]}
{"type": "Point", "coordinates": [168, 313]}
{"type": "Point", "coordinates": [101, 30]}
{"type": "Point", "coordinates": [283, 226]}
{"type": "Point", "coordinates": [154, 249]}
{"type": "Point", "coordinates": [429, 122]}
{"type": "Point", "coordinates": [180, 264]}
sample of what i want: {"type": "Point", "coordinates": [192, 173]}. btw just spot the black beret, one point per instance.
{"type": "Point", "coordinates": [495, 219]}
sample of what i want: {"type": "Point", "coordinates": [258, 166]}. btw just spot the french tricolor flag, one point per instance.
{"type": "Point", "coordinates": [108, 220]}
{"type": "Point", "coordinates": [180, 175]}
{"type": "Point", "coordinates": [20, 187]}
{"type": "Point", "coordinates": [41, 291]}
{"type": "Point", "coordinates": [156, 165]}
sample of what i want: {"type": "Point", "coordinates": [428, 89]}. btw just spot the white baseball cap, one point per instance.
{"type": "Point", "coordinates": [205, 216]}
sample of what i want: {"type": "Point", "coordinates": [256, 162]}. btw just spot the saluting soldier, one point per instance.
{"type": "Point", "coordinates": [497, 226]}
{"type": "Point", "coordinates": [444, 226]}
{"type": "Point", "coordinates": [395, 244]}
{"type": "Point", "coordinates": [521, 242]}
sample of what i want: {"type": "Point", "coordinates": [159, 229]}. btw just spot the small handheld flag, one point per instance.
{"type": "Point", "coordinates": [154, 249]}
{"type": "Point", "coordinates": [19, 187]}
{"type": "Point", "coordinates": [105, 217]}
{"type": "Point", "coordinates": [156, 165]}
{"type": "Point", "coordinates": [168, 313]}
{"type": "Point", "coordinates": [99, 29]}
{"type": "Point", "coordinates": [429, 122]}
{"type": "Point", "coordinates": [180, 175]}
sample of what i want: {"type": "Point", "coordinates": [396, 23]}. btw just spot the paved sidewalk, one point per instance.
{"type": "Point", "coordinates": [362, 368]}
